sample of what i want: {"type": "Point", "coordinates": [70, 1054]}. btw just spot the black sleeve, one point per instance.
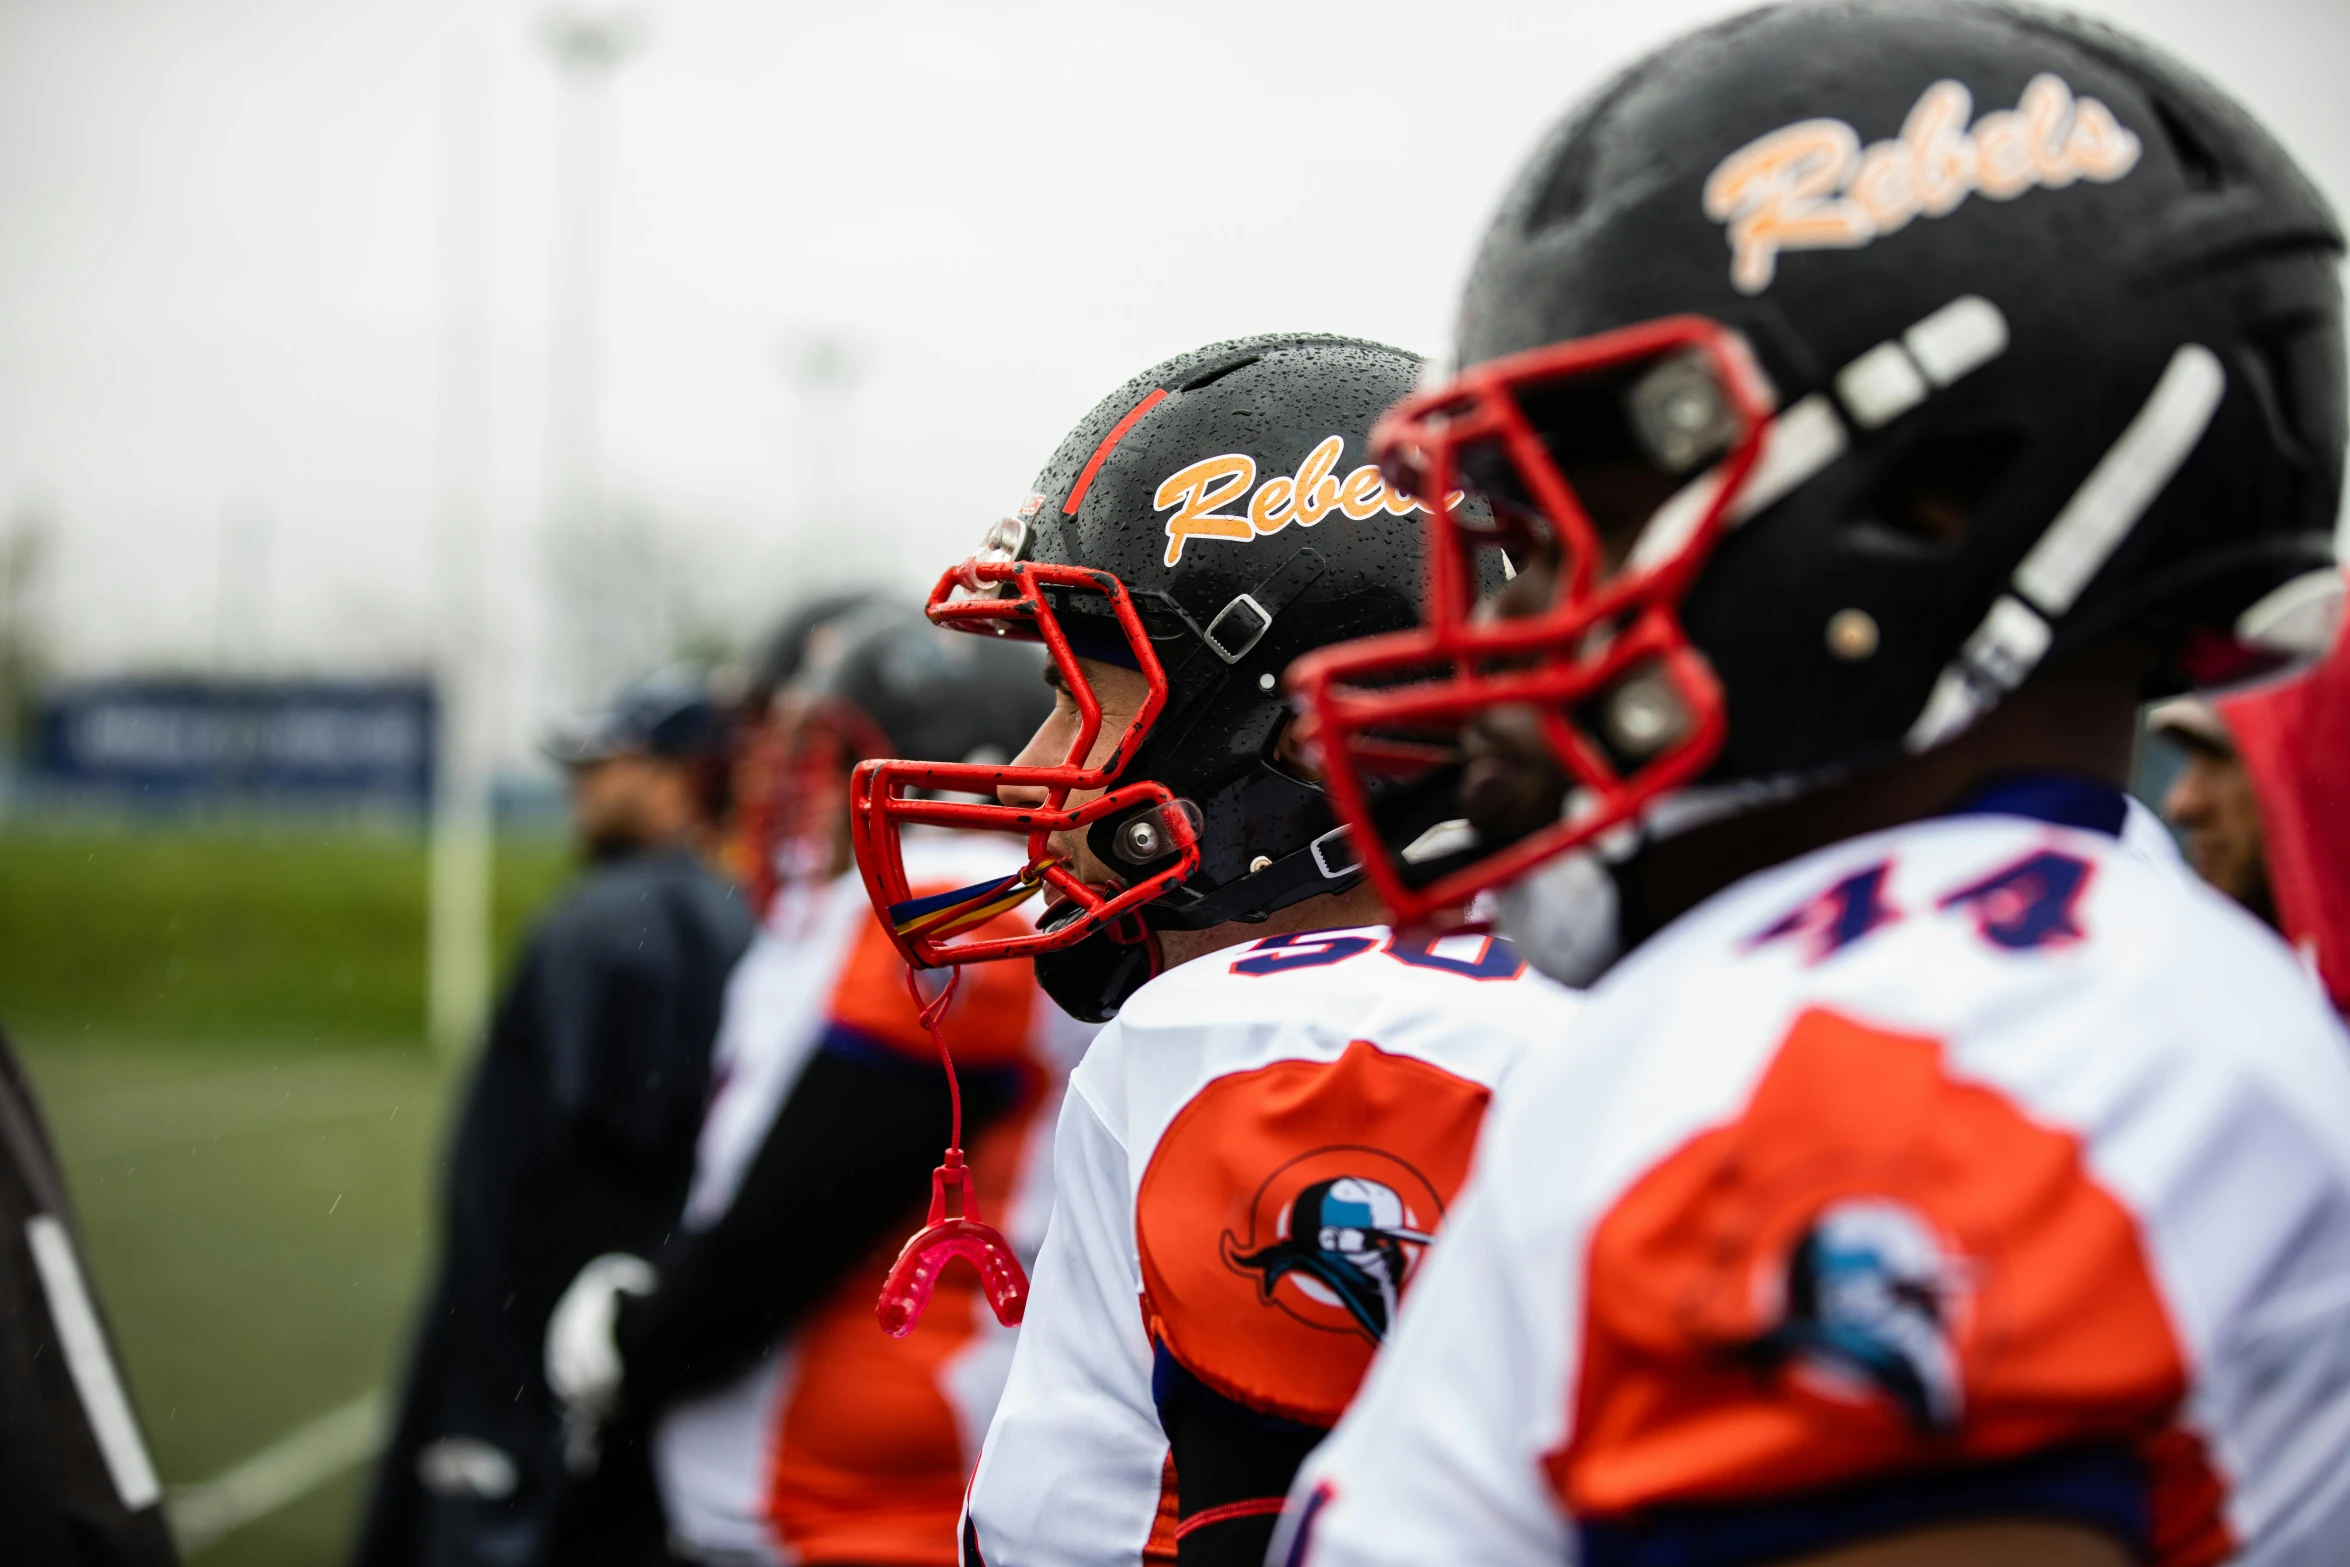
{"type": "Point", "coordinates": [1233, 1466]}
{"type": "Point", "coordinates": [629, 984]}
{"type": "Point", "coordinates": [844, 1167]}
{"type": "Point", "coordinates": [611, 1004]}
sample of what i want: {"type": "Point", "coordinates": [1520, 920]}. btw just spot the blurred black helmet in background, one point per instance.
{"type": "Point", "coordinates": [919, 691]}
{"type": "Point", "coordinates": [670, 715]}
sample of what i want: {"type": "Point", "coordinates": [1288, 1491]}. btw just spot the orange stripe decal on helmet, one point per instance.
{"type": "Point", "coordinates": [1101, 453]}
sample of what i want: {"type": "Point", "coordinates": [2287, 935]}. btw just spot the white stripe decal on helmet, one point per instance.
{"type": "Point", "coordinates": [2125, 481]}
{"type": "Point", "coordinates": [2013, 638]}
{"type": "Point", "coordinates": [1888, 380]}
{"type": "Point", "coordinates": [1943, 348]}
{"type": "Point", "coordinates": [1796, 447]}
{"type": "Point", "coordinates": [2300, 619]}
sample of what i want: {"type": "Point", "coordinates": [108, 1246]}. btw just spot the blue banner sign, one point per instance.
{"type": "Point", "coordinates": [367, 740]}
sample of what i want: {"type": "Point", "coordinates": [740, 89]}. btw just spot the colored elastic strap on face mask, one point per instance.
{"type": "Point", "coordinates": [948, 913]}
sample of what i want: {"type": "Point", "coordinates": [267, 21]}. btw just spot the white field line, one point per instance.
{"type": "Point", "coordinates": [304, 1458]}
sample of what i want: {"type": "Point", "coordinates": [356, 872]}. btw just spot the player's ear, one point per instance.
{"type": "Point", "coordinates": [1118, 688]}
{"type": "Point", "coordinates": [1295, 757]}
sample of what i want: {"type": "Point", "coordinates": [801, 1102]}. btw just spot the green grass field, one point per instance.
{"type": "Point", "coordinates": [224, 1029]}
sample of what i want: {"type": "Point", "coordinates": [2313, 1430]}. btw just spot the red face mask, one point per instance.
{"type": "Point", "coordinates": [993, 594]}
{"type": "Point", "coordinates": [1603, 678]}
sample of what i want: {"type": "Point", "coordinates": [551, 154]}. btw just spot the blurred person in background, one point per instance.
{"type": "Point", "coordinates": [576, 1139]}
{"type": "Point", "coordinates": [2212, 804]}
{"type": "Point", "coordinates": [2263, 801]}
{"type": "Point", "coordinates": [76, 1486]}
{"type": "Point", "coordinates": [788, 1426]}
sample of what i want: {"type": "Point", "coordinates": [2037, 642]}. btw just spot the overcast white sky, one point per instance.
{"type": "Point", "coordinates": [220, 268]}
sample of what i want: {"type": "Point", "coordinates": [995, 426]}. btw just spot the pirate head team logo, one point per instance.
{"type": "Point", "coordinates": [1349, 1226]}
{"type": "Point", "coordinates": [1284, 1212]}
{"type": "Point", "coordinates": [1870, 1305]}
{"type": "Point", "coordinates": [1876, 1265]}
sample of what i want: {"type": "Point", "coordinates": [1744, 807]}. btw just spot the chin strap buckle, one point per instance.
{"type": "Point", "coordinates": [905, 1293]}
{"type": "Point", "coordinates": [1339, 839]}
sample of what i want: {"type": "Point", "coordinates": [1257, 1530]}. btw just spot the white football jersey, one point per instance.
{"type": "Point", "coordinates": [1250, 1164]}
{"type": "Point", "coordinates": [1982, 1167]}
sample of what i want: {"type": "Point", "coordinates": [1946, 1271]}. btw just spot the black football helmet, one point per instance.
{"type": "Point", "coordinates": [874, 678]}
{"type": "Point", "coordinates": [1207, 523]}
{"type": "Point", "coordinates": [882, 673]}
{"type": "Point", "coordinates": [776, 660]}
{"type": "Point", "coordinates": [1857, 359]}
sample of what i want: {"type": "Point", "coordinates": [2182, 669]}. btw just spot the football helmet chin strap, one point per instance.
{"type": "Point", "coordinates": [1088, 980]}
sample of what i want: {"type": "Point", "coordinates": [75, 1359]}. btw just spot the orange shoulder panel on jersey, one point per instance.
{"type": "Point", "coordinates": [1876, 1269]}
{"type": "Point", "coordinates": [1283, 1213]}
{"type": "Point", "coordinates": [988, 1024]}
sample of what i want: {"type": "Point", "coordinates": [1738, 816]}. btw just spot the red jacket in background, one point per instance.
{"type": "Point", "coordinates": [2294, 737]}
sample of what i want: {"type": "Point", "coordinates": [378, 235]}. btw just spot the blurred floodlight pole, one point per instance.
{"type": "Point", "coordinates": [241, 592]}
{"type": "Point", "coordinates": [825, 370]}
{"type": "Point", "coordinates": [588, 43]}
{"type": "Point", "coordinates": [459, 957]}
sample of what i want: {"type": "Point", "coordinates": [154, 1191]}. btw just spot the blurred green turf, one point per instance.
{"type": "Point", "coordinates": [223, 1028]}
{"type": "Point", "coordinates": [227, 935]}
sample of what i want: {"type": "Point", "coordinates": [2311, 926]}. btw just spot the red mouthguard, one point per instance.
{"type": "Point", "coordinates": [905, 1294]}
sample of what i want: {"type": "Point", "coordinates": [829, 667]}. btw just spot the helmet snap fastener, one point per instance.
{"type": "Point", "coordinates": [1852, 635]}
{"type": "Point", "coordinates": [1140, 839]}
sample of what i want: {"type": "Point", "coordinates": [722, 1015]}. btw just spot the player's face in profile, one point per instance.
{"type": "Point", "coordinates": [2212, 804]}
{"type": "Point", "coordinates": [1121, 693]}
{"type": "Point", "coordinates": [1511, 783]}
{"type": "Point", "coordinates": [628, 802]}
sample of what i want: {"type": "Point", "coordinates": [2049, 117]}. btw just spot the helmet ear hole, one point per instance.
{"type": "Point", "coordinates": [1931, 496]}
{"type": "Point", "coordinates": [2280, 366]}
{"type": "Point", "coordinates": [1289, 749]}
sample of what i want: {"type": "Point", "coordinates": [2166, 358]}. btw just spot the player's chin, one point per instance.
{"type": "Point", "coordinates": [1510, 784]}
